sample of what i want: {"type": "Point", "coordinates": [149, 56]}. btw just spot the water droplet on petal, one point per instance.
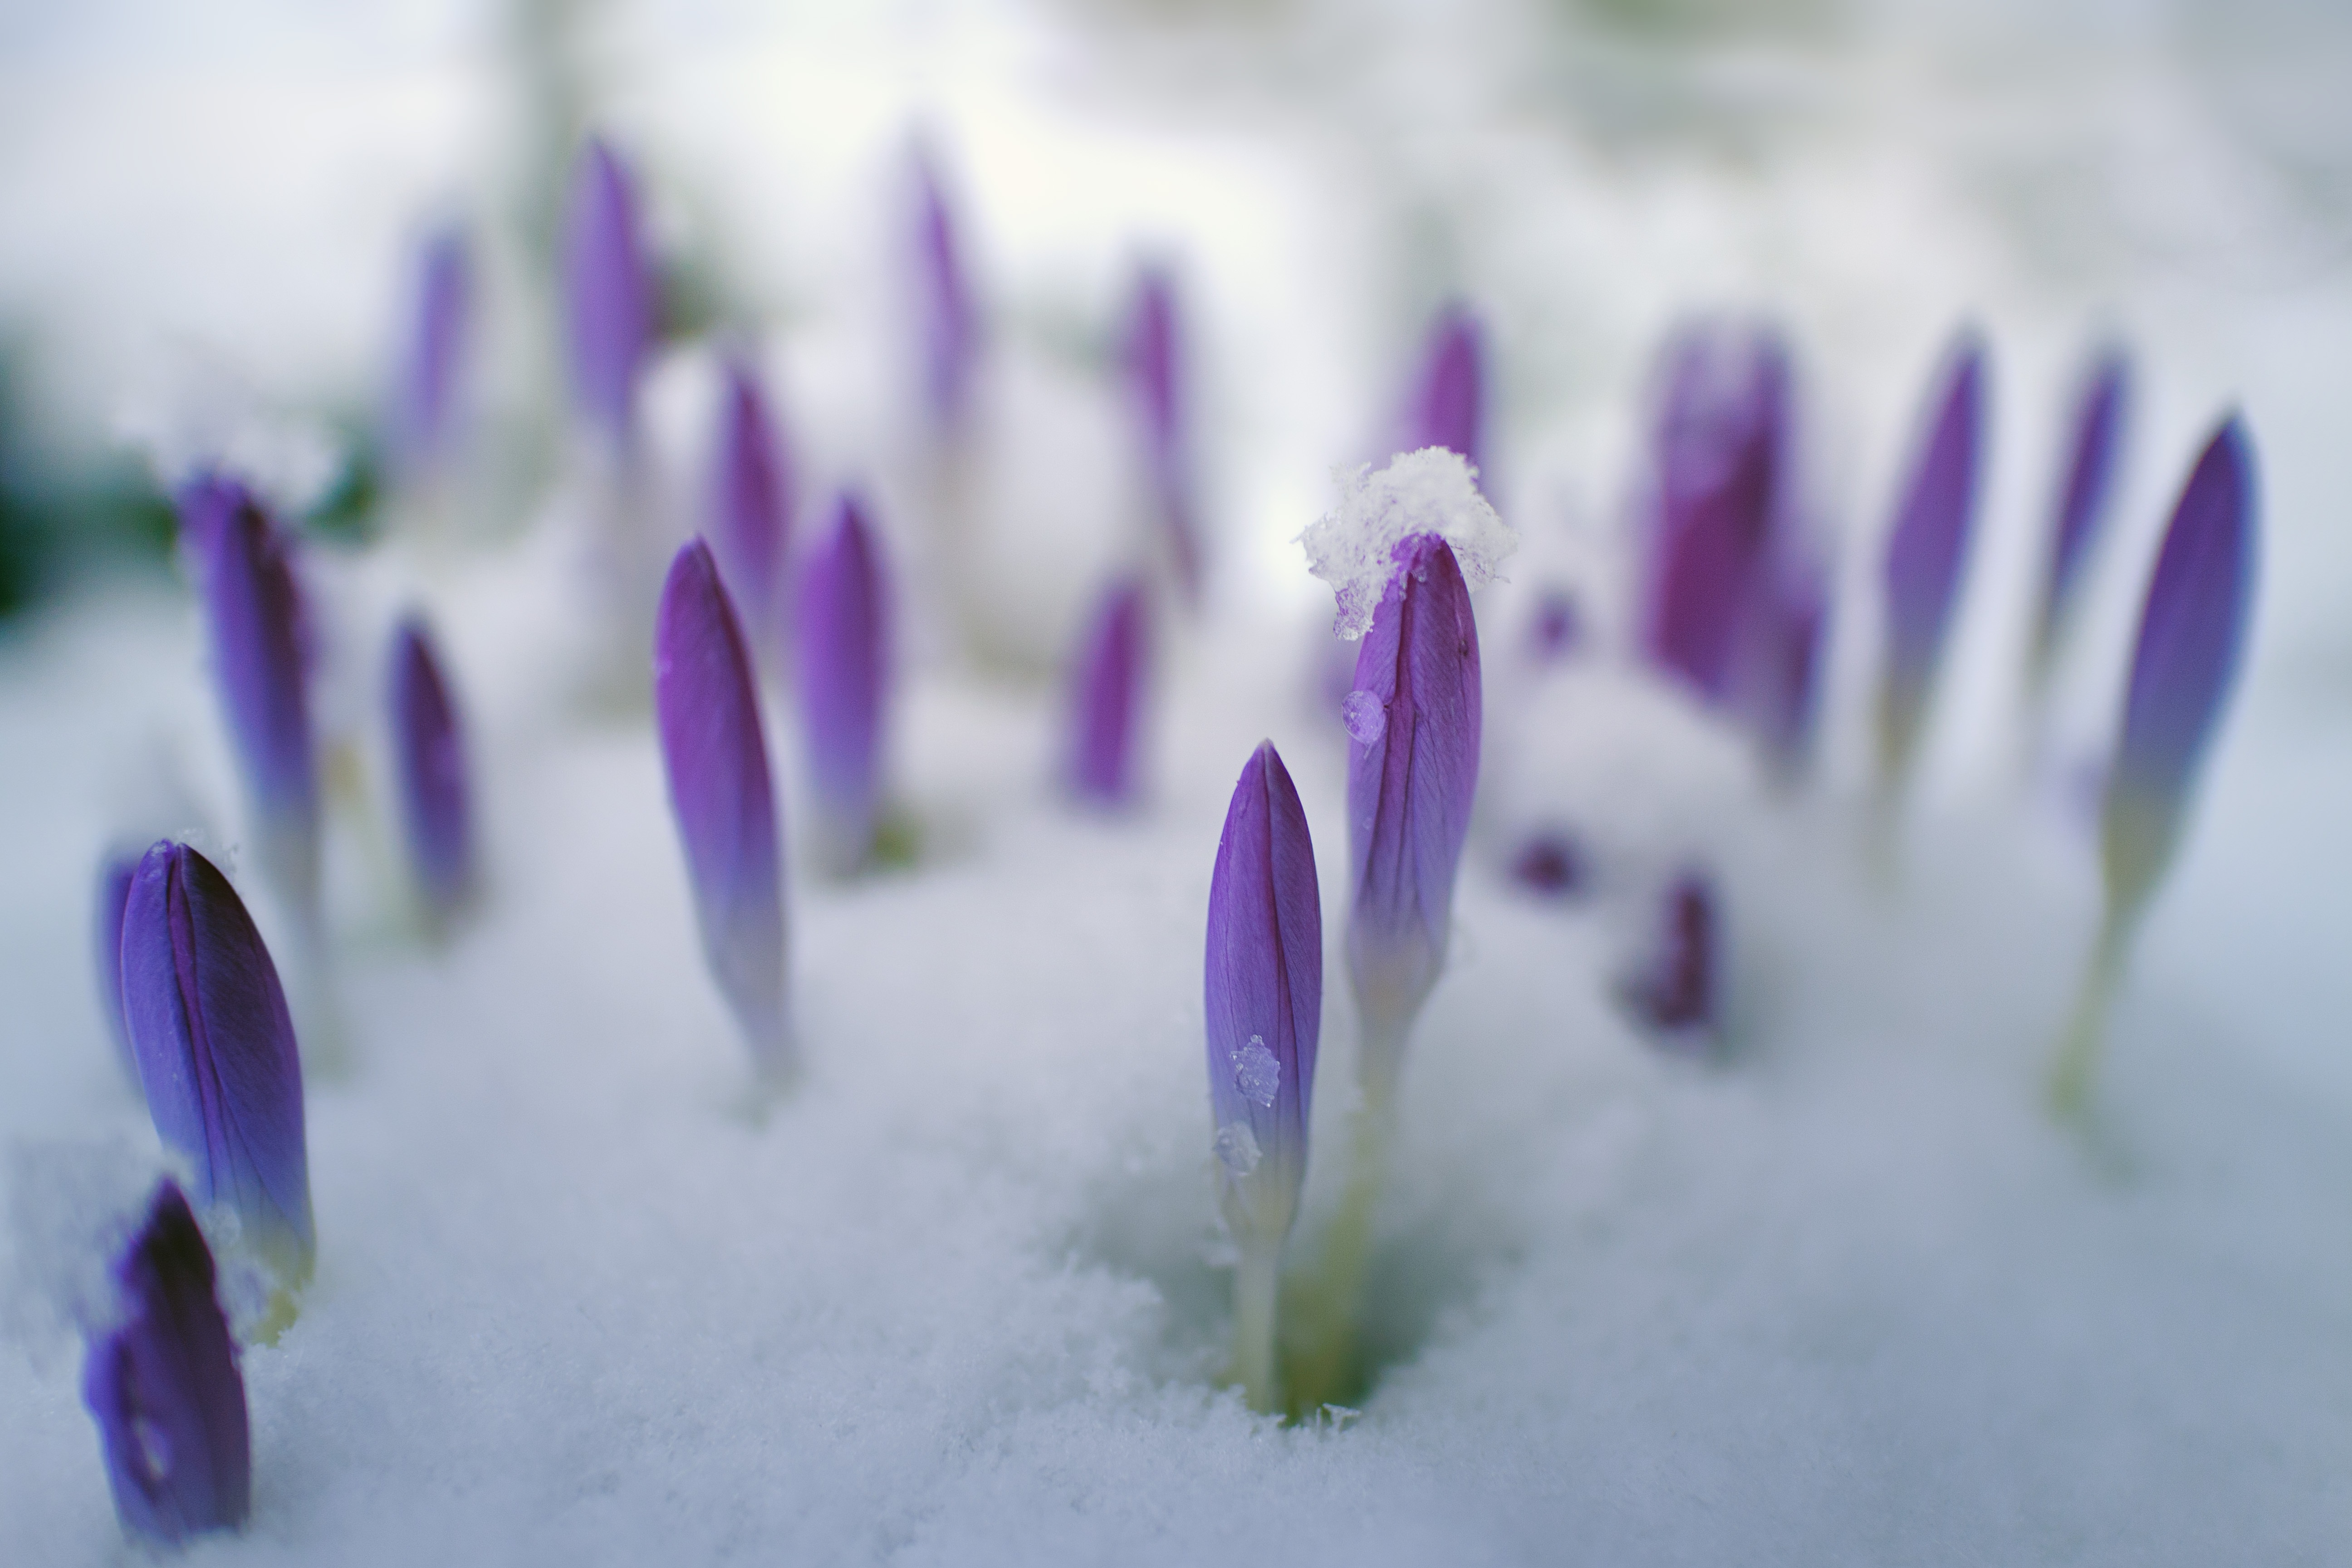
{"type": "Point", "coordinates": [1257, 1072]}
{"type": "Point", "coordinates": [1366, 716]}
{"type": "Point", "coordinates": [1236, 1146]}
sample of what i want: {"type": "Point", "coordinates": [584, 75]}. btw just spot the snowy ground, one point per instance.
{"type": "Point", "coordinates": [1851, 1299]}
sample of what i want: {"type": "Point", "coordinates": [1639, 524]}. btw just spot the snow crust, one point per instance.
{"type": "Point", "coordinates": [1355, 547]}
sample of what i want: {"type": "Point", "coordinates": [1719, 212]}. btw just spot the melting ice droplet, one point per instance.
{"type": "Point", "coordinates": [1257, 1072]}
{"type": "Point", "coordinates": [1358, 548]}
{"type": "Point", "coordinates": [1236, 1148]}
{"type": "Point", "coordinates": [1365, 715]}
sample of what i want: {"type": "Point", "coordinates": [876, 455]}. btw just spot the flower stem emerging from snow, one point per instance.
{"type": "Point", "coordinates": [715, 751]}
{"type": "Point", "coordinates": [1263, 996]}
{"type": "Point", "coordinates": [163, 1385]}
{"type": "Point", "coordinates": [217, 1056]}
{"type": "Point", "coordinates": [2192, 634]}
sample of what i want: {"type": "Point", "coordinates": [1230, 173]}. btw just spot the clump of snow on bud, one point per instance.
{"type": "Point", "coordinates": [1236, 1146]}
{"type": "Point", "coordinates": [1257, 1072]}
{"type": "Point", "coordinates": [1354, 547]}
{"type": "Point", "coordinates": [1366, 716]}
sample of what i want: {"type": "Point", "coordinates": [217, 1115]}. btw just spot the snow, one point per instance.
{"type": "Point", "coordinates": [1355, 547]}
{"type": "Point", "coordinates": [1847, 1296]}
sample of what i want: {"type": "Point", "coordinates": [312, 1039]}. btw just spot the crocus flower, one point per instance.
{"type": "Point", "coordinates": [1156, 384]}
{"type": "Point", "coordinates": [114, 874]}
{"type": "Point", "coordinates": [751, 501]}
{"type": "Point", "coordinates": [1411, 776]}
{"type": "Point", "coordinates": [716, 754]}
{"type": "Point", "coordinates": [1721, 457]}
{"type": "Point", "coordinates": [163, 1384]}
{"type": "Point", "coordinates": [217, 1054]}
{"type": "Point", "coordinates": [1262, 998]}
{"type": "Point", "coordinates": [1449, 399]}
{"type": "Point", "coordinates": [429, 762]}
{"type": "Point", "coordinates": [609, 296]}
{"type": "Point", "coordinates": [1672, 996]}
{"type": "Point", "coordinates": [2083, 494]}
{"type": "Point", "coordinates": [2192, 634]}
{"type": "Point", "coordinates": [1107, 698]}
{"type": "Point", "coordinates": [950, 319]}
{"type": "Point", "coordinates": [843, 628]}
{"type": "Point", "coordinates": [253, 611]}
{"type": "Point", "coordinates": [425, 406]}
{"type": "Point", "coordinates": [1924, 556]}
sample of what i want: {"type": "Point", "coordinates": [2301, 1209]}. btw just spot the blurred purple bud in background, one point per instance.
{"type": "Point", "coordinates": [1155, 375]}
{"type": "Point", "coordinates": [752, 503]}
{"type": "Point", "coordinates": [1549, 863]}
{"type": "Point", "coordinates": [428, 745]}
{"type": "Point", "coordinates": [1449, 402]}
{"type": "Point", "coordinates": [949, 315]}
{"type": "Point", "coordinates": [216, 1054]}
{"type": "Point", "coordinates": [2192, 635]}
{"type": "Point", "coordinates": [1556, 630]}
{"type": "Point", "coordinates": [114, 874]}
{"type": "Point", "coordinates": [1926, 551]}
{"type": "Point", "coordinates": [1409, 794]}
{"type": "Point", "coordinates": [163, 1382]}
{"type": "Point", "coordinates": [2085, 490]}
{"type": "Point", "coordinates": [843, 664]}
{"type": "Point", "coordinates": [1672, 994]}
{"type": "Point", "coordinates": [1721, 460]}
{"type": "Point", "coordinates": [609, 296]}
{"type": "Point", "coordinates": [707, 704]}
{"type": "Point", "coordinates": [1107, 698]}
{"type": "Point", "coordinates": [426, 403]}
{"type": "Point", "coordinates": [1783, 658]}
{"type": "Point", "coordinates": [1264, 999]}
{"type": "Point", "coordinates": [254, 613]}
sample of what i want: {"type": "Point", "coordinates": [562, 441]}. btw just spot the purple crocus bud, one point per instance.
{"type": "Point", "coordinates": [424, 407]}
{"type": "Point", "coordinates": [1556, 630]}
{"type": "Point", "coordinates": [163, 1384]}
{"type": "Point", "coordinates": [1263, 997]}
{"type": "Point", "coordinates": [2083, 494]}
{"type": "Point", "coordinates": [1550, 865]}
{"type": "Point", "coordinates": [844, 634]}
{"type": "Point", "coordinates": [751, 501]}
{"type": "Point", "coordinates": [950, 318]}
{"type": "Point", "coordinates": [1783, 659]}
{"type": "Point", "coordinates": [254, 612]}
{"type": "Point", "coordinates": [1412, 768]}
{"type": "Point", "coordinates": [716, 753]}
{"type": "Point", "coordinates": [430, 761]}
{"type": "Point", "coordinates": [1926, 553]}
{"type": "Point", "coordinates": [2191, 636]}
{"type": "Point", "coordinates": [1721, 446]}
{"type": "Point", "coordinates": [1107, 698]}
{"type": "Point", "coordinates": [610, 305]}
{"type": "Point", "coordinates": [1156, 382]}
{"type": "Point", "coordinates": [1449, 398]}
{"type": "Point", "coordinates": [1674, 996]}
{"type": "Point", "coordinates": [216, 1049]}
{"type": "Point", "coordinates": [114, 874]}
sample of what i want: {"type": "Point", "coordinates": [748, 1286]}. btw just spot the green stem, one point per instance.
{"type": "Point", "coordinates": [1256, 1285]}
{"type": "Point", "coordinates": [1325, 1371]}
{"type": "Point", "coordinates": [2077, 1058]}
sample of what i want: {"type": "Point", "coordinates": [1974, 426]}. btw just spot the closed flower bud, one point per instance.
{"type": "Point", "coordinates": [1107, 698]}
{"type": "Point", "coordinates": [842, 623]}
{"type": "Point", "coordinates": [610, 303]}
{"type": "Point", "coordinates": [429, 765]}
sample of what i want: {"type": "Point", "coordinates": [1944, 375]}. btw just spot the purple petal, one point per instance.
{"type": "Point", "coordinates": [608, 293]}
{"type": "Point", "coordinates": [751, 501]}
{"type": "Point", "coordinates": [844, 634]}
{"type": "Point", "coordinates": [429, 761]}
{"type": "Point", "coordinates": [164, 1387]}
{"type": "Point", "coordinates": [716, 753]}
{"type": "Point", "coordinates": [951, 321]}
{"type": "Point", "coordinates": [2089, 487]}
{"type": "Point", "coordinates": [1106, 699]}
{"type": "Point", "coordinates": [1263, 997]}
{"type": "Point", "coordinates": [1927, 549]}
{"type": "Point", "coordinates": [2192, 635]}
{"type": "Point", "coordinates": [216, 1049]}
{"type": "Point", "coordinates": [254, 612]}
{"type": "Point", "coordinates": [1409, 794]}
{"type": "Point", "coordinates": [1449, 398]}
{"type": "Point", "coordinates": [1674, 998]}
{"type": "Point", "coordinates": [114, 874]}
{"type": "Point", "coordinates": [1155, 376]}
{"type": "Point", "coordinates": [1722, 442]}
{"type": "Point", "coordinates": [425, 406]}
